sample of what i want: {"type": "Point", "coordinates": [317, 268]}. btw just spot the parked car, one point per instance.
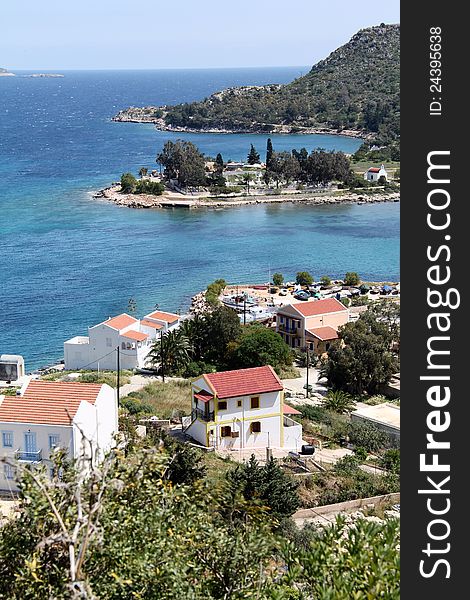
{"type": "Point", "coordinates": [302, 295]}
{"type": "Point", "coordinates": [283, 292]}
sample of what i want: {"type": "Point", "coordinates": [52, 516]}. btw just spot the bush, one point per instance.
{"type": "Point", "coordinates": [367, 436]}
{"type": "Point", "coordinates": [128, 183]}
{"type": "Point", "coordinates": [351, 278]}
{"type": "Point", "coordinates": [304, 278]}
{"type": "Point", "coordinates": [153, 188]}
{"type": "Point", "coordinates": [196, 368]}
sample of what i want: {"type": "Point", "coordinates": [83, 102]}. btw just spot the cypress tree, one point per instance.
{"type": "Point", "coordinates": [269, 152]}
{"type": "Point", "coordinates": [253, 156]}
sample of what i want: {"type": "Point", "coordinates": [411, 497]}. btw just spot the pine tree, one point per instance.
{"type": "Point", "coordinates": [253, 156]}
{"type": "Point", "coordinates": [219, 162]}
{"type": "Point", "coordinates": [269, 152]}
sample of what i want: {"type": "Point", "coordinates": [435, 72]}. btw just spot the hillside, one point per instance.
{"type": "Point", "coordinates": [356, 88]}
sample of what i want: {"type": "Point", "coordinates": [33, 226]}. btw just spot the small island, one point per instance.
{"type": "Point", "coordinates": [6, 73]}
{"type": "Point", "coordinates": [51, 75]}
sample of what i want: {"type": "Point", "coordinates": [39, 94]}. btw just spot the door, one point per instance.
{"type": "Point", "coordinates": [30, 442]}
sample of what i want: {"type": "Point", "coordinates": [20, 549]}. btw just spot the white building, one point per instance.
{"type": "Point", "coordinates": [11, 369]}
{"type": "Point", "coordinates": [242, 409]}
{"type": "Point", "coordinates": [374, 174]}
{"type": "Point", "coordinates": [81, 418]}
{"type": "Point", "coordinates": [134, 338]}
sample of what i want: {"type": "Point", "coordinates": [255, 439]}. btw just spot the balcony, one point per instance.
{"type": "Point", "coordinates": [28, 457]}
{"type": "Point", "coordinates": [288, 328]}
{"type": "Point", "coordinates": [203, 415]}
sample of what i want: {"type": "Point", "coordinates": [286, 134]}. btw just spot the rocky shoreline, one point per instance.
{"type": "Point", "coordinates": [113, 194]}
{"type": "Point", "coordinates": [148, 114]}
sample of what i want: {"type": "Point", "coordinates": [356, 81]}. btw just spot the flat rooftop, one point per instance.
{"type": "Point", "coordinates": [385, 414]}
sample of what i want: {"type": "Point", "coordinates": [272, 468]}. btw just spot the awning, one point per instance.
{"type": "Point", "coordinates": [203, 396]}
{"type": "Point", "coordinates": [288, 410]}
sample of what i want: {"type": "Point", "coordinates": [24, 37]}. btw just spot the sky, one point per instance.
{"type": "Point", "coordinates": [156, 34]}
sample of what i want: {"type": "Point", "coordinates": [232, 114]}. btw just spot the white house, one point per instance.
{"type": "Point", "coordinates": [11, 369]}
{"type": "Point", "coordinates": [134, 338]}
{"type": "Point", "coordinates": [374, 173]}
{"type": "Point", "coordinates": [242, 409]}
{"type": "Point", "coordinates": [81, 418]}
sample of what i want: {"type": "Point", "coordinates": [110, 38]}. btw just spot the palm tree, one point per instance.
{"type": "Point", "coordinates": [195, 331]}
{"type": "Point", "coordinates": [143, 172]}
{"type": "Point", "coordinates": [170, 353]}
{"type": "Point", "coordinates": [339, 402]}
{"type": "Point", "coordinates": [247, 179]}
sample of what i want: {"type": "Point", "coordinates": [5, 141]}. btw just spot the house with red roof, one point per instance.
{"type": "Point", "coordinates": [81, 418]}
{"type": "Point", "coordinates": [375, 173]}
{"type": "Point", "coordinates": [133, 337]}
{"type": "Point", "coordinates": [313, 324]}
{"type": "Point", "coordinates": [242, 409]}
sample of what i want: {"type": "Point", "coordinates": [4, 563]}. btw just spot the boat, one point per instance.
{"type": "Point", "coordinates": [240, 302]}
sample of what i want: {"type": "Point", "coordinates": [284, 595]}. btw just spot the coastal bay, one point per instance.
{"type": "Point", "coordinates": [69, 261]}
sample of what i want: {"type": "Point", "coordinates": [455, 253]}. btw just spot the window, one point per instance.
{"type": "Point", "coordinates": [9, 472]}
{"type": "Point", "coordinates": [255, 402]}
{"type": "Point", "coordinates": [226, 431]}
{"type": "Point", "coordinates": [123, 345]}
{"type": "Point", "coordinates": [7, 439]}
{"type": "Point", "coordinates": [54, 440]}
{"type": "Point", "coordinates": [239, 403]}
{"type": "Point", "coordinates": [109, 342]}
{"type": "Point", "coordinates": [255, 426]}
{"type": "Point", "coordinates": [222, 405]}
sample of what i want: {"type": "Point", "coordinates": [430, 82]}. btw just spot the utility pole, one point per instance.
{"type": "Point", "coordinates": [244, 310]}
{"type": "Point", "coordinates": [308, 364]}
{"type": "Point", "coordinates": [162, 369]}
{"type": "Point", "coordinates": [118, 383]}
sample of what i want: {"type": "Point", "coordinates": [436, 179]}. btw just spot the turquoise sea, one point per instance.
{"type": "Point", "coordinates": [68, 261]}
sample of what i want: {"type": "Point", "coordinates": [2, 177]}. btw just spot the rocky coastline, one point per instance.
{"type": "Point", "coordinates": [156, 115]}
{"type": "Point", "coordinates": [113, 194]}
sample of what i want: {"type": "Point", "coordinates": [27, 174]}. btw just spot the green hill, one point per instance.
{"type": "Point", "coordinates": [355, 88]}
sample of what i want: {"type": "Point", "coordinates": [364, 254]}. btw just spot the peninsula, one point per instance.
{"type": "Point", "coordinates": [354, 91]}
{"type": "Point", "coordinates": [6, 73]}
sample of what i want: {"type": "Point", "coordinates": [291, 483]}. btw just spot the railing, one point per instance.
{"type": "Point", "coordinates": [28, 456]}
{"type": "Point", "coordinates": [288, 328]}
{"type": "Point", "coordinates": [197, 413]}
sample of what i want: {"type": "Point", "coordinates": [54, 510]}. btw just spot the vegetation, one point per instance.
{"type": "Point", "coordinates": [361, 361]}
{"type": "Point", "coordinates": [253, 156]}
{"type": "Point", "coordinates": [170, 353]}
{"type": "Point", "coordinates": [128, 183]}
{"type": "Point", "coordinates": [214, 290]}
{"type": "Point", "coordinates": [109, 377]}
{"type": "Point", "coordinates": [153, 188]}
{"type": "Point", "coordinates": [184, 162]}
{"type": "Point", "coordinates": [325, 280]}
{"type": "Point", "coordinates": [259, 346]}
{"type": "Point", "coordinates": [304, 278]}
{"type": "Point", "coordinates": [339, 402]}
{"type": "Point", "coordinates": [152, 524]}
{"type": "Point", "coordinates": [352, 278]}
{"type": "Point", "coordinates": [278, 279]}
{"type": "Point", "coordinates": [356, 87]}
{"type": "Point", "coordinates": [167, 400]}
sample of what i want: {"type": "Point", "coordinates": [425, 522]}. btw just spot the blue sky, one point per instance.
{"type": "Point", "coordinates": [152, 34]}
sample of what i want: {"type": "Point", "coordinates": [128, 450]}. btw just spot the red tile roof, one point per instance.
{"type": "Point", "coordinates": [244, 382]}
{"type": "Point", "coordinates": [374, 170]}
{"type": "Point", "coordinates": [120, 322]}
{"type": "Point", "coordinates": [203, 396]}
{"type": "Point", "coordinates": [288, 410]}
{"type": "Point", "coordinates": [48, 402]}
{"type": "Point", "coordinates": [324, 333]}
{"type": "Point", "coordinates": [147, 323]}
{"type": "Point", "coordinates": [318, 307]}
{"type": "Point", "coordinates": [164, 316]}
{"type": "Point", "coordinates": [135, 335]}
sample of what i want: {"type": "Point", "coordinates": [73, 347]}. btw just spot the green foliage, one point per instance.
{"type": "Point", "coordinates": [390, 460]}
{"type": "Point", "coordinates": [214, 290]}
{"type": "Point", "coordinates": [253, 156]}
{"type": "Point", "coordinates": [134, 407]}
{"type": "Point", "coordinates": [368, 436]}
{"type": "Point", "coordinates": [167, 400]}
{"type": "Point", "coordinates": [345, 301]}
{"type": "Point", "coordinates": [184, 162]}
{"type": "Point", "coordinates": [219, 162]}
{"type": "Point", "coordinates": [278, 279]}
{"type": "Point", "coordinates": [171, 353]}
{"type": "Point", "coordinates": [269, 153]}
{"type": "Point", "coordinates": [304, 278]}
{"type": "Point", "coordinates": [185, 465]}
{"type": "Point", "coordinates": [222, 328]}
{"type": "Point", "coordinates": [260, 346]}
{"type": "Point", "coordinates": [143, 172]}
{"type": "Point", "coordinates": [356, 87]}
{"type": "Point", "coordinates": [196, 368]}
{"type": "Point", "coordinates": [268, 484]}
{"type": "Point", "coordinates": [325, 280]}
{"type": "Point", "coordinates": [351, 278]}
{"type": "Point", "coordinates": [365, 362]}
{"type": "Point", "coordinates": [339, 402]}
{"type": "Point", "coordinates": [153, 188]}
{"type": "Point", "coordinates": [128, 183]}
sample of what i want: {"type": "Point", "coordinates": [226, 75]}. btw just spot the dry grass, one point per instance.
{"type": "Point", "coordinates": [108, 377]}
{"type": "Point", "coordinates": [167, 398]}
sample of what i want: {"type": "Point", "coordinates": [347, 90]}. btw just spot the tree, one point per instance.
{"type": "Point", "coordinates": [361, 362]}
{"type": "Point", "coordinates": [222, 327]}
{"type": "Point", "coordinates": [247, 178]}
{"type": "Point", "coordinates": [304, 278]}
{"type": "Point", "coordinates": [170, 353]}
{"type": "Point", "coordinates": [185, 466]}
{"type": "Point", "coordinates": [128, 183]}
{"type": "Point", "coordinates": [259, 346]}
{"type": "Point", "coordinates": [352, 278]}
{"type": "Point", "coordinates": [268, 484]}
{"type": "Point", "coordinates": [269, 153]}
{"type": "Point", "coordinates": [253, 156]}
{"type": "Point", "coordinates": [219, 163]}
{"type": "Point", "coordinates": [278, 279]}
{"type": "Point", "coordinates": [184, 162]}
{"type": "Point", "coordinates": [325, 280]}
{"type": "Point", "coordinates": [367, 435]}
{"type": "Point", "coordinates": [390, 461]}
{"type": "Point", "coordinates": [339, 402]}
{"type": "Point", "coordinates": [143, 172]}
